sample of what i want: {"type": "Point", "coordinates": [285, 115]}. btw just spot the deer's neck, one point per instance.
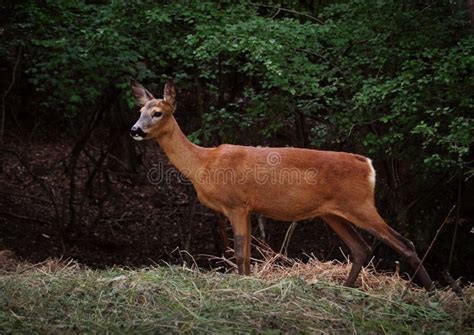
{"type": "Point", "coordinates": [186, 156]}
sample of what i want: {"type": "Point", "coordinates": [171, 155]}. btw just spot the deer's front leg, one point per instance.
{"type": "Point", "coordinates": [241, 227]}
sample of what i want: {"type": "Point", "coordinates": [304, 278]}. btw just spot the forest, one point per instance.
{"type": "Point", "coordinates": [390, 80]}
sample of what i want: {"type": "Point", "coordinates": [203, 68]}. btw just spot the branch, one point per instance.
{"type": "Point", "coordinates": [22, 217]}
{"type": "Point", "coordinates": [41, 182]}
{"type": "Point", "coordinates": [456, 224]}
{"type": "Point", "coordinates": [288, 235]}
{"type": "Point", "coordinates": [427, 252]}
{"type": "Point", "coordinates": [289, 11]}
{"type": "Point", "coordinates": [4, 97]}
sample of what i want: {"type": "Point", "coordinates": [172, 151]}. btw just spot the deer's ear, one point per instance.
{"type": "Point", "coordinates": [169, 94]}
{"type": "Point", "coordinates": [140, 93]}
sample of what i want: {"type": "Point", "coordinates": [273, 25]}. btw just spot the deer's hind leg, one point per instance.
{"type": "Point", "coordinates": [368, 218]}
{"type": "Point", "coordinates": [360, 250]}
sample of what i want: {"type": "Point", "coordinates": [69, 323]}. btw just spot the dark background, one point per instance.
{"type": "Point", "coordinates": [391, 80]}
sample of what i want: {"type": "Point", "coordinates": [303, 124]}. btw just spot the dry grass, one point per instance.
{"type": "Point", "coordinates": [284, 295]}
{"type": "Point", "coordinates": [276, 266]}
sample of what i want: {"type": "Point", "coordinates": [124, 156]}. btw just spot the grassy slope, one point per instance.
{"type": "Point", "coordinates": [71, 299]}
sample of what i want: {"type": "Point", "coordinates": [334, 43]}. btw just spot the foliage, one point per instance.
{"type": "Point", "coordinates": [388, 75]}
{"type": "Point", "coordinates": [388, 79]}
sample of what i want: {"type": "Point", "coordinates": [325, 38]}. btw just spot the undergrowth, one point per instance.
{"type": "Point", "coordinates": [57, 297]}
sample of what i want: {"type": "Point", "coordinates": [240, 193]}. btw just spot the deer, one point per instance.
{"type": "Point", "coordinates": [285, 184]}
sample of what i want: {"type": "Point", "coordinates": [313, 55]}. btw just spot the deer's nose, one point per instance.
{"type": "Point", "coordinates": [137, 132]}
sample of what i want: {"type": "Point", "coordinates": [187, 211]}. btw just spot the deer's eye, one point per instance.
{"type": "Point", "coordinates": [157, 114]}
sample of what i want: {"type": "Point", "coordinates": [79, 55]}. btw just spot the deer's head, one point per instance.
{"type": "Point", "coordinates": [154, 113]}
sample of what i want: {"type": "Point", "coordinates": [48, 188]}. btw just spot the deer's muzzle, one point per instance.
{"type": "Point", "coordinates": [137, 133]}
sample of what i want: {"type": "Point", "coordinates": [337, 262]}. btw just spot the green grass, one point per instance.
{"type": "Point", "coordinates": [72, 299]}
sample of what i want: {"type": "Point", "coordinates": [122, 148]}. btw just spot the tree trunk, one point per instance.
{"type": "Point", "coordinates": [470, 8]}
{"type": "Point", "coordinates": [121, 148]}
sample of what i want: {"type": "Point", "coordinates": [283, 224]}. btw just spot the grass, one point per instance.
{"type": "Point", "coordinates": [57, 297]}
